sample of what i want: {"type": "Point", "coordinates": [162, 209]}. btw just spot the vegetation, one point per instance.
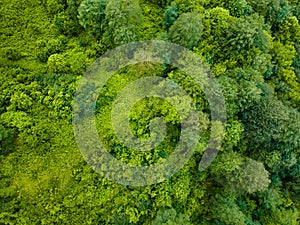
{"type": "Point", "coordinates": [251, 46]}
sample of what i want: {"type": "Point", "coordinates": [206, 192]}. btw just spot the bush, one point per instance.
{"type": "Point", "coordinates": [12, 54]}
{"type": "Point", "coordinates": [55, 6]}
{"type": "Point", "coordinates": [65, 25]}
{"type": "Point", "coordinates": [57, 64]}
{"type": "Point", "coordinates": [42, 57]}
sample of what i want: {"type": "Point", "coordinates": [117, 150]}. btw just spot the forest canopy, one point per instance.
{"type": "Point", "coordinates": [252, 47]}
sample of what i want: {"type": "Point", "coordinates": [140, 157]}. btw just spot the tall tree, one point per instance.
{"type": "Point", "coordinates": [224, 210]}
{"type": "Point", "coordinates": [124, 18]}
{"type": "Point", "coordinates": [170, 16]}
{"type": "Point", "coordinates": [170, 217]}
{"type": "Point", "coordinates": [239, 174]}
{"type": "Point", "coordinates": [269, 124]}
{"type": "Point", "coordinates": [92, 17]}
{"type": "Point", "coordinates": [187, 30]}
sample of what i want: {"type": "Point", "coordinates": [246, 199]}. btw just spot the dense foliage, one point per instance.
{"type": "Point", "coordinates": [252, 47]}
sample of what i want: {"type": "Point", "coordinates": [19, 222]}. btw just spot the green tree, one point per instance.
{"type": "Point", "coordinates": [260, 7]}
{"type": "Point", "coordinates": [161, 3]}
{"type": "Point", "coordinates": [57, 64]}
{"type": "Point", "coordinates": [282, 217]}
{"type": "Point", "coordinates": [170, 15]}
{"type": "Point", "coordinates": [73, 8]}
{"type": "Point", "coordinates": [239, 8]}
{"type": "Point", "coordinates": [53, 6]}
{"type": "Point", "coordinates": [170, 217]}
{"type": "Point", "coordinates": [187, 30]}
{"type": "Point", "coordinates": [284, 77]}
{"type": "Point", "coordinates": [12, 54]}
{"type": "Point", "coordinates": [234, 132]}
{"type": "Point", "coordinates": [240, 175]}
{"type": "Point", "coordinates": [91, 15]}
{"type": "Point", "coordinates": [224, 210]}
{"type": "Point", "coordinates": [278, 11]}
{"type": "Point", "coordinates": [246, 34]}
{"type": "Point", "coordinates": [289, 30]}
{"type": "Point", "coordinates": [3, 133]}
{"type": "Point", "coordinates": [185, 6]}
{"type": "Point", "coordinates": [124, 18]}
{"type": "Point", "coordinates": [269, 124]}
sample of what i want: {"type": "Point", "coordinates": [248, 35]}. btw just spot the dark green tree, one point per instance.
{"type": "Point", "coordinates": [170, 16]}
{"type": "Point", "coordinates": [278, 11]}
{"type": "Point", "coordinates": [161, 3]}
{"type": "Point", "coordinates": [260, 7]}
{"type": "Point", "coordinates": [271, 125]}
{"type": "Point", "coordinates": [73, 8]}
